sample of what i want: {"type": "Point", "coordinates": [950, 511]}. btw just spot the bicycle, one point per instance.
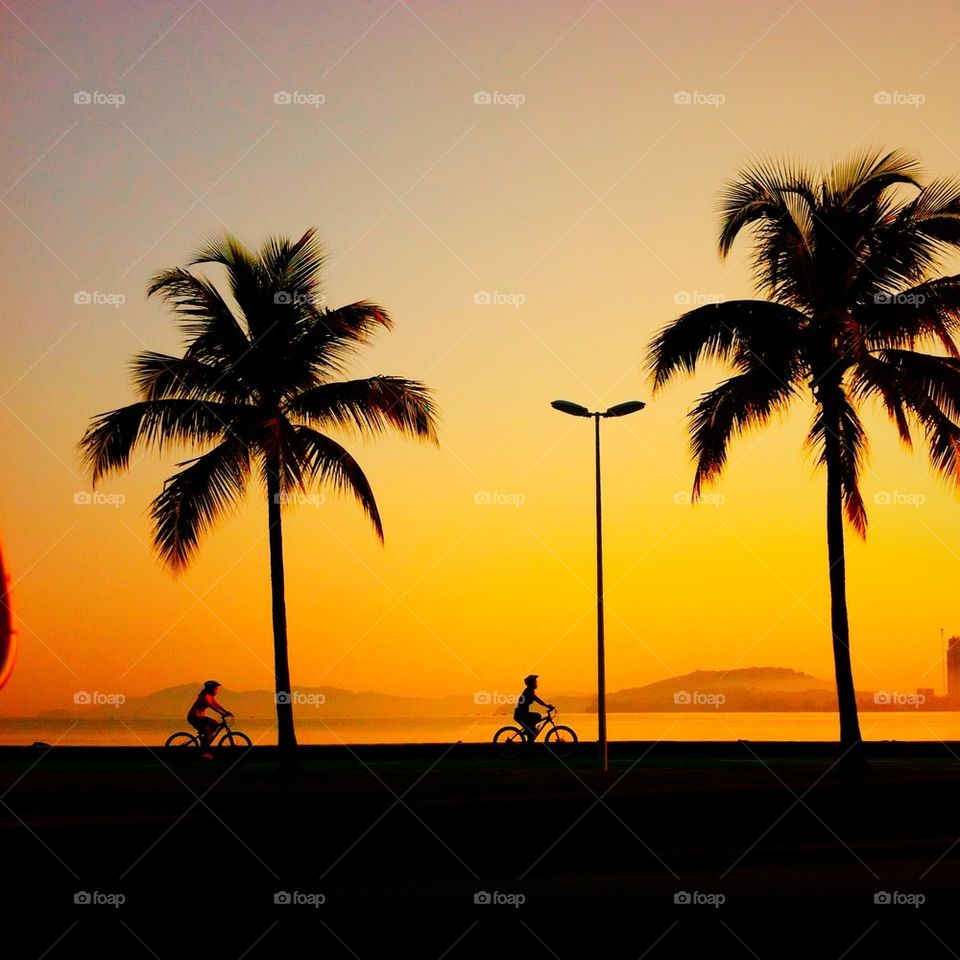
{"type": "Point", "coordinates": [229, 738]}
{"type": "Point", "coordinates": [560, 740]}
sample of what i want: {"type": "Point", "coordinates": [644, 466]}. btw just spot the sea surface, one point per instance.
{"type": "Point", "coordinates": [712, 725]}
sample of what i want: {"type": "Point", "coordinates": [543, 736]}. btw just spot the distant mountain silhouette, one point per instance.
{"type": "Point", "coordinates": [750, 689]}
{"type": "Point", "coordinates": [747, 689]}
{"type": "Point", "coordinates": [322, 703]}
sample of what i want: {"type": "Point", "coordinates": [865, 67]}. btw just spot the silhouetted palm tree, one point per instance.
{"type": "Point", "coordinates": [256, 387]}
{"type": "Point", "coordinates": [844, 260]}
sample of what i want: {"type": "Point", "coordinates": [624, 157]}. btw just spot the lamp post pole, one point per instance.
{"type": "Point", "coordinates": [620, 410]}
{"type": "Point", "coordinates": [601, 653]}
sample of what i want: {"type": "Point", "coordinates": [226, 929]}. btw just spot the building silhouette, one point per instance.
{"type": "Point", "coordinates": [953, 670]}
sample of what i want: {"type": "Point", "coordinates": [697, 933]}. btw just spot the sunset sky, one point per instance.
{"type": "Point", "coordinates": [582, 202]}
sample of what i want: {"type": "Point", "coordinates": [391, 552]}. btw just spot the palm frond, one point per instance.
{"type": "Point", "coordinates": [732, 330]}
{"type": "Point", "coordinates": [744, 401]}
{"type": "Point", "coordinates": [893, 254]}
{"type": "Point", "coordinates": [941, 433]}
{"type": "Point", "coordinates": [859, 179]}
{"type": "Point", "coordinates": [333, 336]}
{"type": "Point", "coordinates": [928, 311]}
{"type": "Point", "coordinates": [157, 376]}
{"type": "Point", "coordinates": [875, 378]}
{"type": "Point", "coordinates": [370, 406]}
{"type": "Point", "coordinates": [195, 498]}
{"type": "Point", "coordinates": [212, 330]}
{"type": "Point", "coordinates": [294, 267]}
{"type": "Point", "coordinates": [249, 286]}
{"type": "Point", "coordinates": [922, 374]}
{"type": "Point", "coordinates": [851, 442]}
{"type": "Point", "coordinates": [112, 437]}
{"type": "Point", "coordinates": [936, 210]}
{"type": "Point", "coordinates": [325, 461]}
{"type": "Point", "coordinates": [760, 193]}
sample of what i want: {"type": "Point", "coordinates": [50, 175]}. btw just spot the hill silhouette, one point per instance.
{"type": "Point", "coordinates": [745, 689]}
{"type": "Point", "coordinates": [327, 703]}
{"type": "Point", "coordinates": [748, 689]}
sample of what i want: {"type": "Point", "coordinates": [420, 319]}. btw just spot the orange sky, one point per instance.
{"type": "Point", "coordinates": [586, 195]}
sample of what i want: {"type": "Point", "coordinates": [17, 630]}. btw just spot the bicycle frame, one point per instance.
{"type": "Point", "coordinates": [549, 720]}
{"type": "Point", "coordinates": [218, 731]}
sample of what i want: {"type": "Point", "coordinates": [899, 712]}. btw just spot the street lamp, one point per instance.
{"type": "Point", "coordinates": [620, 410]}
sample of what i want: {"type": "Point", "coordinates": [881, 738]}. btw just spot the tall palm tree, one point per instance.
{"type": "Point", "coordinates": [256, 388]}
{"type": "Point", "coordinates": [845, 261]}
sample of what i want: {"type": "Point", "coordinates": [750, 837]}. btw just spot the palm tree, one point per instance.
{"type": "Point", "coordinates": [255, 388]}
{"type": "Point", "coordinates": [845, 261]}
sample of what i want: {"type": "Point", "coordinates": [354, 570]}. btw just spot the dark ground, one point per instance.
{"type": "Point", "coordinates": [400, 840]}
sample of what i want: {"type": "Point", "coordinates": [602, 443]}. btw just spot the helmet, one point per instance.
{"type": "Point", "coordinates": [531, 678]}
{"type": "Point", "coordinates": [210, 684]}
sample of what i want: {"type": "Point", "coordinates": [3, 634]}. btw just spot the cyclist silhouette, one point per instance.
{"type": "Point", "coordinates": [522, 713]}
{"type": "Point", "coordinates": [197, 717]}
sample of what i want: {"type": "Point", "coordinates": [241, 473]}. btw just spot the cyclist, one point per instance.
{"type": "Point", "coordinates": [197, 717]}
{"type": "Point", "coordinates": [522, 712]}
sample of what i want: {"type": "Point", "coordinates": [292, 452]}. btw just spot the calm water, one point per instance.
{"type": "Point", "coordinates": [714, 725]}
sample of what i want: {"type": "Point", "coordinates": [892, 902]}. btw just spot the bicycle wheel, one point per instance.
{"type": "Point", "coordinates": [561, 741]}
{"type": "Point", "coordinates": [234, 738]}
{"type": "Point", "coordinates": [509, 741]}
{"type": "Point", "coordinates": [181, 739]}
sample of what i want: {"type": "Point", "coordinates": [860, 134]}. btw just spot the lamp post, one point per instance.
{"type": "Point", "coordinates": [620, 410]}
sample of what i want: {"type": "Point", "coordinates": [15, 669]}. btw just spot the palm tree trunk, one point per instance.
{"type": "Point", "coordinates": [286, 735]}
{"type": "Point", "coordinates": [850, 740]}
